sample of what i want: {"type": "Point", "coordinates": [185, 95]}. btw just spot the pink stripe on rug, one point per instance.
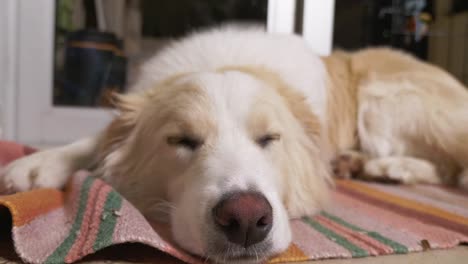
{"type": "Point", "coordinates": [38, 241]}
{"type": "Point", "coordinates": [411, 194]}
{"type": "Point", "coordinates": [91, 220]}
{"type": "Point", "coordinates": [133, 227]}
{"type": "Point", "coordinates": [439, 193]}
{"type": "Point", "coordinates": [96, 220]}
{"type": "Point", "coordinates": [439, 237]}
{"type": "Point", "coordinates": [457, 191]}
{"type": "Point", "coordinates": [314, 244]}
{"type": "Point", "coordinates": [131, 224]}
{"type": "Point", "coordinates": [350, 236]}
{"type": "Point", "coordinates": [73, 190]}
{"type": "Point", "coordinates": [359, 218]}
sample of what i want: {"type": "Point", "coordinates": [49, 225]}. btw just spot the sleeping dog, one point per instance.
{"type": "Point", "coordinates": [232, 132]}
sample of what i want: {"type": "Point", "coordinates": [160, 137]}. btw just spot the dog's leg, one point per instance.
{"type": "Point", "coordinates": [410, 121]}
{"type": "Point", "coordinates": [401, 169]}
{"type": "Point", "coordinates": [49, 168]}
{"type": "Point", "coordinates": [355, 164]}
{"type": "Point", "coordinates": [348, 164]}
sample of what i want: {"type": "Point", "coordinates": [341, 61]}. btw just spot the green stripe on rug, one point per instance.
{"type": "Point", "coordinates": [109, 218]}
{"type": "Point", "coordinates": [61, 252]}
{"type": "Point", "coordinates": [397, 247]}
{"type": "Point", "coordinates": [355, 250]}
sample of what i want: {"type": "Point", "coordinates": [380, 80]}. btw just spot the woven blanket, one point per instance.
{"type": "Point", "coordinates": [364, 219]}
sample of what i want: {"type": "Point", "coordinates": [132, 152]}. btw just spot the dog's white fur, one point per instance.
{"type": "Point", "coordinates": [230, 87]}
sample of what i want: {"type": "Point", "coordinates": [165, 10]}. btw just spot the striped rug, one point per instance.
{"type": "Point", "coordinates": [364, 219]}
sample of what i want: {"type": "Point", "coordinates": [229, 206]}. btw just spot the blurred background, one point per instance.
{"type": "Point", "coordinates": [133, 30]}
{"type": "Point", "coordinates": [62, 58]}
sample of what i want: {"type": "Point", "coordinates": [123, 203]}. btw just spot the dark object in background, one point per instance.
{"type": "Point", "coordinates": [94, 68]}
{"type": "Point", "coordinates": [459, 6]}
{"type": "Point", "coordinates": [173, 19]}
{"type": "Point", "coordinates": [362, 23]}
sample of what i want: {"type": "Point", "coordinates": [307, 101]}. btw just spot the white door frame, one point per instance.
{"type": "Point", "coordinates": [30, 53]}
{"type": "Point", "coordinates": [8, 66]}
{"type": "Point", "coordinates": [281, 15]}
{"type": "Point", "coordinates": [317, 26]}
{"type": "Point", "coordinates": [317, 21]}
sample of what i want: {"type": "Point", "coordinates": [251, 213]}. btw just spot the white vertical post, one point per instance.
{"type": "Point", "coordinates": [317, 27]}
{"type": "Point", "coordinates": [281, 14]}
{"type": "Point", "coordinates": [35, 43]}
{"type": "Point", "coordinates": [8, 65]}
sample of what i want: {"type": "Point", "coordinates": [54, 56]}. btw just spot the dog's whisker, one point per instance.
{"type": "Point", "coordinates": [206, 258]}
{"type": "Point", "coordinates": [229, 249]}
{"type": "Point", "coordinates": [256, 254]}
{"type": "Point", "coordinates": [164, 206]}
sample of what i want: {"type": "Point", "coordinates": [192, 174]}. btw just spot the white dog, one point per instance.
{"type": "Point", "coordinates": [234, 131]}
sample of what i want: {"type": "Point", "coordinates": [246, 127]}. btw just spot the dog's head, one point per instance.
{"type": "Point", "coordinates": [229, 155]}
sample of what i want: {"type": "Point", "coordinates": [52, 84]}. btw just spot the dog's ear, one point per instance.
{"type": "Point", "coordinates": [305, 165]}
{"type": "Point", "coordinates": [129, 110]}
{"type": "Point", "coordinates": [129, 107]}
{"type": "Point", "coordinates": [305, 178]}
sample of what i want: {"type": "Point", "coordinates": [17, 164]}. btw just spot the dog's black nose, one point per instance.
{"type": "Point", "coordinates": [244, 217]}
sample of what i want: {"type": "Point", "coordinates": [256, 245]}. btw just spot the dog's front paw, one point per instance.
{"type": "Point", "coordinates": [47, 169]}
{"type": "Point", "coordinates": [348, 164]}
{"type": "Point", "coordinates": [406, 170]}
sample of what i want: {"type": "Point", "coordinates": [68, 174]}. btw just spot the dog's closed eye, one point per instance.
{"type": "Point", "coordinates": [265, 140]}
{"type": "Point", "coordinates": [185, 141]}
